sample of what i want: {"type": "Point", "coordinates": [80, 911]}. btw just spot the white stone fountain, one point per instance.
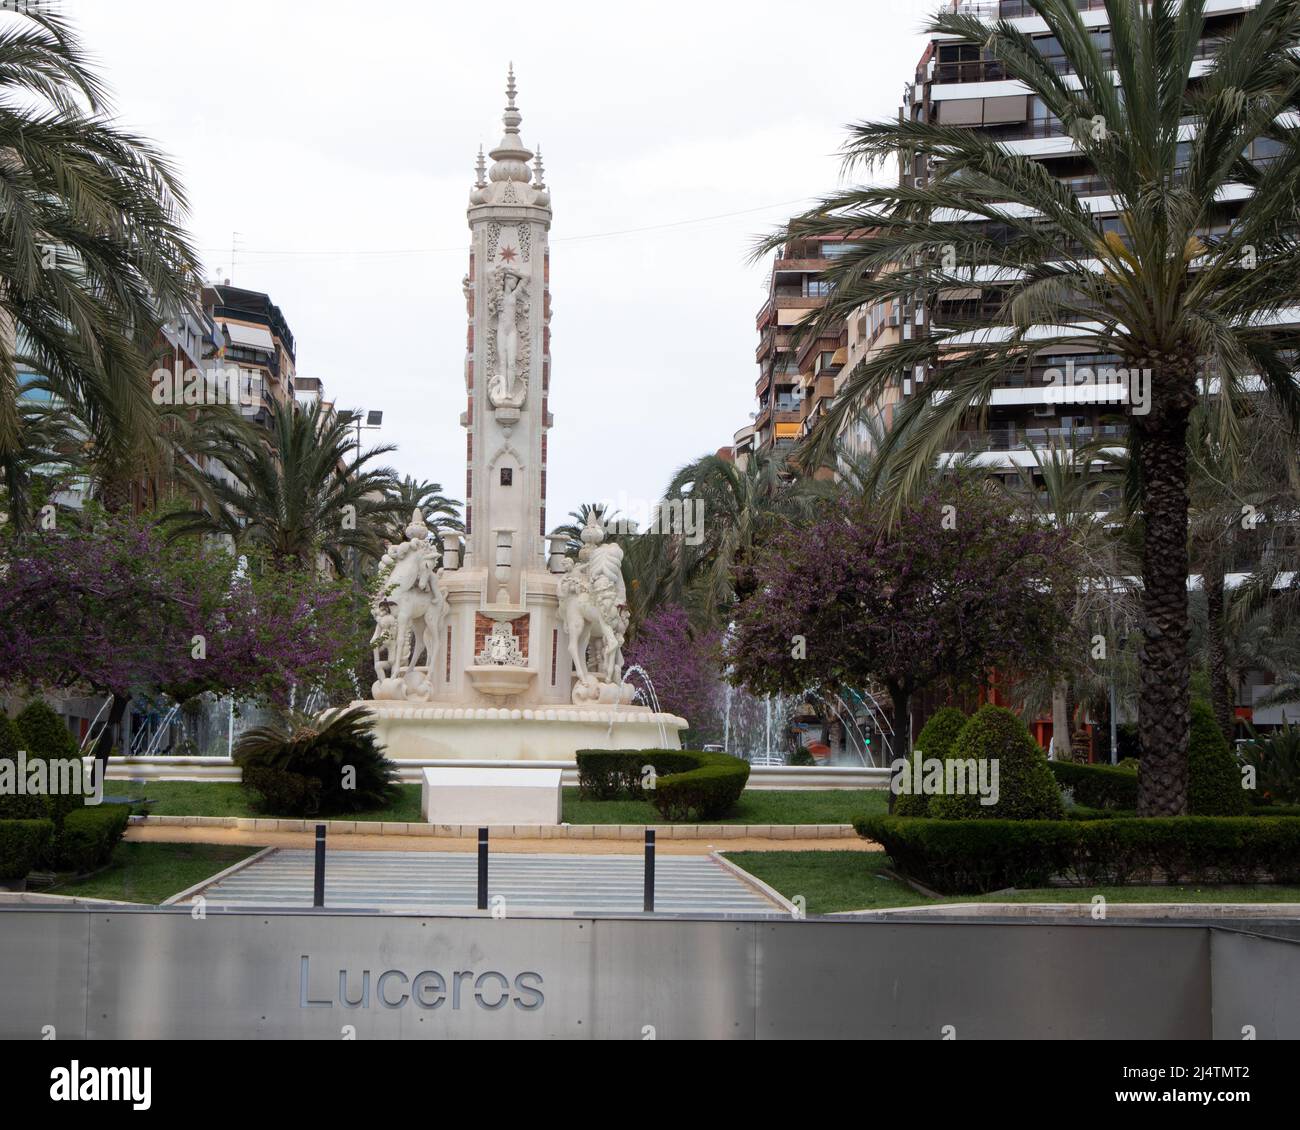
{"type": "Point", "coordinates": [507, 649]}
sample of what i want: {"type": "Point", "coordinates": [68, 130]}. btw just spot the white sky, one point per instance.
{"type": "Point", "coordinates": [338, 140]}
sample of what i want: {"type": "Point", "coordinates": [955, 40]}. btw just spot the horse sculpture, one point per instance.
{"type": "Point", "coordinates": [419, 609]}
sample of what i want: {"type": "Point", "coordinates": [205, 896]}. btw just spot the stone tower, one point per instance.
{"type": "Point", "coordinates": [507, 366]}
{"type": "Point", "coordinates": [496, 648]}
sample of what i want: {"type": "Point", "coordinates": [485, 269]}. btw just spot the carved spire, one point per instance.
{"type": "Point", "coordinates": [510, 158]}
{"type": "Point", "coordinates": [539, 173]}
{"type": "Point", "coordinates": [480, 169]}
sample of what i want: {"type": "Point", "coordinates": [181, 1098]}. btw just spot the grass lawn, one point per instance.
{"type": "Point", "coordinates": [149, 872]}
{"type": "Point", "coordinates": [221, 798]}
{"type": "Point", "coordinates": [831, 881]}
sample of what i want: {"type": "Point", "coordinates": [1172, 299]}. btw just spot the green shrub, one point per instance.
{"type": "Point", "coordinates": [688, 785]}
{"type": "Point", "coordinates": [303, 764]}
{"type": "Point", "coordinates": [977, 856]}
{"type": "Point", "coordinates": [1128, 741]}
{"type": "Point", "coordinates": [704, 793]}
{"type": "Point", "coordinates": [1097, 786]}
{"type": "Point", "coordinates": [1026, 788]}
{"type": "Point", "coordinates": [22, 843]}
{"type": "Point", "coordinates": [1276, 760]}
{"type": "Point", "coordinates": [1213, 774]}
{"type": "Point", "coordinates": [618, 774]}
{"type": "Point", "coordinates": [88, 837]}
{"type": "Point", "coordinates": [1275, 810]}
{"type": "Point", "coordinates": [15, 805]}
{"type": "Point", "coordinates": [935, 740]}
{"type": "Point", "coordinates": [48, 738]}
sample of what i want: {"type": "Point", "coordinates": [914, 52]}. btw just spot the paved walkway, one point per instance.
{"type": "Point", "coordinates": [360, 841]}
{"type": "Point", "coordinates": [396, 880]}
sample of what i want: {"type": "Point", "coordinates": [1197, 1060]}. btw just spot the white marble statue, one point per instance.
{"type": "Point", "coordinates": [409, 576]}
{"type": "Point", "coordinates": [593, 610]}
{"type": "Point", "coordinates": [508, 358]}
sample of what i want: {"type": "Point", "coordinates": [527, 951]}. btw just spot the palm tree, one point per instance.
{"type": "Point", "coordinates": [302, 489]}
{"type": "Point", "coordinates": [92, 252]}
{"type": "Point", "coordinates": [1234, 487]}
{"type": "Point", "coordinates": [1075, 490]}
{"type": "Point", "coordinates": [734, 509]}
{"type": "Point", "coordinates": [440, 512]}
{"type": "Point", "coordinates": [1189, 307]}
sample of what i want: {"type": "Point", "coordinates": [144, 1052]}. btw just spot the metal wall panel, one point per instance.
{"type": "Point", "coordinates": [995, 981]}
{"type": "Point", "coordinates": [1256, 987]}
{"type": "Point", "coordinates": [43, 975]}
{"type": "Point", "coordinates": [237, 975]}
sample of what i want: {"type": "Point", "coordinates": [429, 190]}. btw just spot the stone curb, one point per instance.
{"type": "Point", "coordinates": [630, 832]}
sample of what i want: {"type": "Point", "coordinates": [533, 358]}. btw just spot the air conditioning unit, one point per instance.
{"type": "Point", "coordinates": [892, 320]}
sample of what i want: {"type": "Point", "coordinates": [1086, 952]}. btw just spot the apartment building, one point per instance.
{"type": "Point", "coordinates": [956, 83]}
{"type": "Point", "coordinates": [259, 344]}
{"type": "Point", "coordinates": [795, 377]}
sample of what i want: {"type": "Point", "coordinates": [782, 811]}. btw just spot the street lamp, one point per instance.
{"type": "Point", "coordinates": [373, 422]}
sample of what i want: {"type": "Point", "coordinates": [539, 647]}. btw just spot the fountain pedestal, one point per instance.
{"type": "Point", "coordinates": [424, 731]}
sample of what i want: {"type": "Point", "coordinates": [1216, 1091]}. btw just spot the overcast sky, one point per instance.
{"type": "Point", "coordinates": [338, 140]}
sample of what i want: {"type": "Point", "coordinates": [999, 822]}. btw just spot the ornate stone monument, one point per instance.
{"type": "Point", "coordinates": [506, 650]}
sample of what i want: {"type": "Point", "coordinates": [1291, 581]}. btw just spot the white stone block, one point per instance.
{"type": "Point", "coordinates": [482, 796]}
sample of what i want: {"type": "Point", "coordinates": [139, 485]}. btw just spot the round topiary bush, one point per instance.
{"type": "Point", "coordinates": [15, 805]}
{"type": "Point", "coordinates": [935, 740]}
{"type": "Point", "coordinates": [48, 738]}
{"type": "Point", "coordinates": [1213, 775]}
{"type": "Point", "coordinates": [1026, 789]}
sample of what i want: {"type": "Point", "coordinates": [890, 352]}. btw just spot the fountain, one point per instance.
{"type": "Point", "coordinates": [496, 645]}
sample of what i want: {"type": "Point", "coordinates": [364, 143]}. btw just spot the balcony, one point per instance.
{"type": "Point", "coordinates": [1015, 9]}
{"type": "Point", "coordinates": [1013, 438]}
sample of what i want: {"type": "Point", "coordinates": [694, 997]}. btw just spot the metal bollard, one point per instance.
{"type": "Point", "coordinates": [318, 895]}
{"type": "Point", "coordinates": [482, 868]}
{"type": "Point", "coordinates": [649, 870]}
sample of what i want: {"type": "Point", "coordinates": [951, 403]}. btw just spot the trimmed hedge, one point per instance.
{"type": "Point", "coordinates": [1097, 786]}
{"type": "Point", "coordinates": [935, 740]}
{"type": "Point", "coordinates": [48, 738]}
{"type": "Point", "coordinates": [1026, 788]}
{"type": "Point", "coordinates": [617, 774]}
{"type": "Point", "coordinates": [688, 784]}
{"type": "Point", "coordinates": [1214, 782]}
{"type": "Point", "coordinates": [14, 805]}
{"type": "Point", "coordinates": [22, 842]}
{"type": "Point", "coordinates": [978, 856]}
{"type": "Point", "coordinates": [88, 837]}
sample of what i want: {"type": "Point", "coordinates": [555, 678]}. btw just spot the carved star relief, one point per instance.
{"type": "Point", "coordinates": [507, 254]}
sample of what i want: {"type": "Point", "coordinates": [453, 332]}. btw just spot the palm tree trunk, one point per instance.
{"type": "Point", "coordinates": [1061, 722]}
{"type": "Point", "coordinates": [1220, 686]}
{"type": "Point", "coordinates": [1164, 716]}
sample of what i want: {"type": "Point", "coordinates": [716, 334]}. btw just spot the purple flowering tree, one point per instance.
{"type": "Point", "coordinates": [117, 610]}
{"type": "Point", "coordinates": [955, 587]}
{"type": "Point", "coordinates": [684, 664]}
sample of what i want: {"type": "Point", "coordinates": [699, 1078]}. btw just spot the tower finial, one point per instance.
{"type": "Point", "coordinates": [510, 87]}
{"type": "Point", "coordinates": [480, 168]}
{"type": "Point", "coordinates": [539, 176]}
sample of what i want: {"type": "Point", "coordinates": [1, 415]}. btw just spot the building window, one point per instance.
{"type": "Point", "coordinates": [507, 476]}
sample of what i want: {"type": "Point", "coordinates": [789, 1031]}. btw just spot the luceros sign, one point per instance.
{"type": "Point", "coordinates": [428, 989]}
